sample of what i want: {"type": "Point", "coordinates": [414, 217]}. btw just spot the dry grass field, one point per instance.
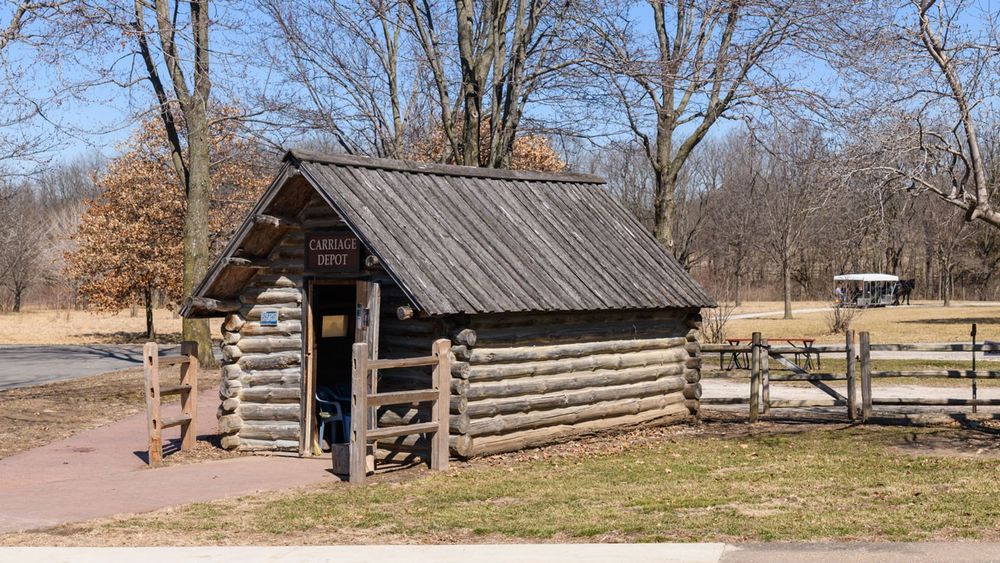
{"type": "Point", "coordinates": [50, 326]}
{"type": "Point", "coordinates": [919, 322]}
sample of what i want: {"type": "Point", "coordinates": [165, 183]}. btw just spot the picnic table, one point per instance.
{"type": "Point", "coordinates": [741, 360]}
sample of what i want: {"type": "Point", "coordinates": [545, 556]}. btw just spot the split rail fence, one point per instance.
{"type": "Point", "coordinates": [857, 355]}
{"type": "Point", "coordinates": [187, 388]}
{"type": "Point", "coordinates": [362, 400]}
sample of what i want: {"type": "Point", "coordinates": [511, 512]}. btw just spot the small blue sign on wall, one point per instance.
{"type": "Point", "coordinates": [269, 317]}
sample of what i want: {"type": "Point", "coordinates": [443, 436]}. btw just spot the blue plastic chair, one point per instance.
{"type": "Point", "coordinates": [330, 412]}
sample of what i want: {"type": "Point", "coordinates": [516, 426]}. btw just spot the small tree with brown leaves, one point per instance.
{"type": "Point", "coordinates": [130, 240]}
{"type": "Point", "coordinates": [530, 152]}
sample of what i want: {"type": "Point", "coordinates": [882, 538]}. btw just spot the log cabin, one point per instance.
{"type": "Point", "coordinates": [565, 316]}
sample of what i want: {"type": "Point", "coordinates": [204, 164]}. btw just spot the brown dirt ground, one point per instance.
{"type": "Point", "coordinates": [34, 416]}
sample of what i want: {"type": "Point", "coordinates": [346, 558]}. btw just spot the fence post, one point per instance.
{"type": "Point", "coordinates": [755, 377]}
{"type": "Point", "coordinates": [151, 371]}
{"type": "Point", "coordinates": [866, 377]}
{"type": "Point", "coordinates": [442, 406]}
{"type": "Point", "coordinates": [189, 398]}
{"type": "Point", "coordinates": [852, 393]}
{"type": "Point", "coordinates": [765, 377]}
{"type": "Point", "coordinates": [359, 414]}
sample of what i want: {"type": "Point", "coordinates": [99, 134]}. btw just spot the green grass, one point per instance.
{"type": "Point", "coordinates": [832, 484]}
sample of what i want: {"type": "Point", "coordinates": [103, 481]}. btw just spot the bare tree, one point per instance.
{"type": "Point", "coordinates": [704, 61]}
{"type": "Point", "coordinates": [378, 75]}
{"type": "Point", "coordinates": [922, 85]}
{"type": "Point", "coordinates": [168, 42]}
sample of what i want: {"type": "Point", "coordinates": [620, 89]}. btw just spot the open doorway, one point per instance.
{"type": "Point", "coordinates": [333, 334]}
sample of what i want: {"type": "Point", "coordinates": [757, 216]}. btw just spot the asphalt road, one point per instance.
{"type": "Point", "coordinates": [23, 366]}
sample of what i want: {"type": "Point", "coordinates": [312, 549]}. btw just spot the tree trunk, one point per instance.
{"type": "Point", "coordinates": [786, 282]}
{"type": "Point", "coordinates": [17, 300]}
{"type": "Point", "coordinates": [196, 249]}
{"type": "Point", "coordinates": [150, 332]}
{"type": "Point", "coordinates": [664, 204]}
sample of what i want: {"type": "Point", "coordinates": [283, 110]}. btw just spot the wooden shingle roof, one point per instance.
{"type": "Point", "coordinates": [470, 240]}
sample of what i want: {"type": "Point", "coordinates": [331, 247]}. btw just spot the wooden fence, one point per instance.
{"type": "Point", "coordinates": [857, 354]}
{"type": "Point", "coordinates": [762, 353]}
{"type": "Point", "coordinates": [362, 399]}
{"type": "Point", "coordinates": [187, 388]}
{"type": "Point", "coordinates": [867, 374]}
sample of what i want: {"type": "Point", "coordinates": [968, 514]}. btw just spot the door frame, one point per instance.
{"type": "Point", "coordinates": [367, 297]}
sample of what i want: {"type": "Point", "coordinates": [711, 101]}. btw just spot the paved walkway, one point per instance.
{"type": "Point", "coordinates": [102, 472]}
{"type": "Point", "coordinates": [538, 553]}
{"type": "Point", "coordinates": [22, 366]}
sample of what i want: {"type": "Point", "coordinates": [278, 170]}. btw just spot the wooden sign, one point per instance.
{"type": "Point", "coordinates": [333, 253]}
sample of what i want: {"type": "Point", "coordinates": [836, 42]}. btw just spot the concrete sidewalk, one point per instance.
{"type": "Point", "coordinates": [958, 552]}
{"type": "Point", "coordinates": [102, 472]}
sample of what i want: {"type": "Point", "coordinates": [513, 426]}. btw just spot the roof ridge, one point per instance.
{"type": "Point", "coordinates": [440, 169]}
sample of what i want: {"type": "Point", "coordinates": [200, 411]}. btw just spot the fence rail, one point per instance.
{"type": "Point", "coordinates": [439, 395]}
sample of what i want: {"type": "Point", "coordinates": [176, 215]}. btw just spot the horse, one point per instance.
{"type": "Point", "coordinates": [903, 290]}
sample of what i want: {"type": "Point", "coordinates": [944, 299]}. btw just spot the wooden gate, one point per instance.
{"type": "Point", "coordinates": [364, 399]}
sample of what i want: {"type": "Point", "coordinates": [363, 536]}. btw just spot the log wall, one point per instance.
{"type": "Point", "coordinates": [261, 387]}
{"type": "Point", "coordinates": [522, 380]}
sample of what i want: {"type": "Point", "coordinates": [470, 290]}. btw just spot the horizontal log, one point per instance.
{"type": "Point", "coordinates": [710, 348]}
{"type": "Point", "coordinates": [917, 402]}
{"type": "Point", "coordinates": [807, 377]}
{"type": "Point", "coordinates": [513, 405]}
{"type": "Point", "coordinates": [229, 388]}
{"type": "Point", "coordinates": [402, 397]}
{"type": "Point", "coordinates": [276, 222]}
{"type": "Point", "coordinates": [271, 394]}
{"type": "Point", "coordinates": [270, 431]}
{"type": "Point", "coordinates": [404, 312]}
{"type": "Point", "coordinates": [270, 296]}
{"type": "Point", "coordinates": [403, 362]}
{"type": "Point", "coordinates": [230, 405]}
{"type": "Point", "coordinates": [465, 337]}
{"type": "Point", "coordinates": [229, 338]}
{"type": "Point", "coordinates": [253, 411]}
{"type": "Point", "coordinates": [638, 358]}
{"type": "Point", "coordinates": [568, 381]}
{"type": "Point", "coordinates": [548, 319]}
{"type": "Point", "coordinates": [569, 415]}
{"type": "Point", "coordinates": [957, 347]}
{"type": "Point", "coordinates": [285, 311]}
{"type": "Point", "coordinates": [486, 445]}
{"type": "Point", "coordinates": [790, 404]}
{"type": "Point", "coordinates": [269, 344]}
{"type": "Point", "coordinates": [289, 327]}
{"type": "Point", "coordinates": [230, 441]}
{"type": "Point", "coordinates": [817, 349]}
{"type": "Point", "coordinates": [942, 373]}
{"type": "Point", "coordinates": [692, 391]}
{"type": "Point", "coordinates": [560, 351]}
{"type": "Point", "coordinates": [269, 361]}
{"type": "Point", "coordinates": [279, 377]}
{"type": "Point", "coordinates": [205, 306]}
{"type": "Point", "coordinates": [725, 400]}
{"type": "Point", "coordinates": [250, 444]}
{"type": "Point", "coordinates": [693, 363]}
{"type": "Point", "coordinates": [693, 406]}
{"type": "Point", "coordinates": [418, 428]}
{"type": "Point", "coordinates": [555, 333]}
{"type": "Point", "coordinates": [398, 416]}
